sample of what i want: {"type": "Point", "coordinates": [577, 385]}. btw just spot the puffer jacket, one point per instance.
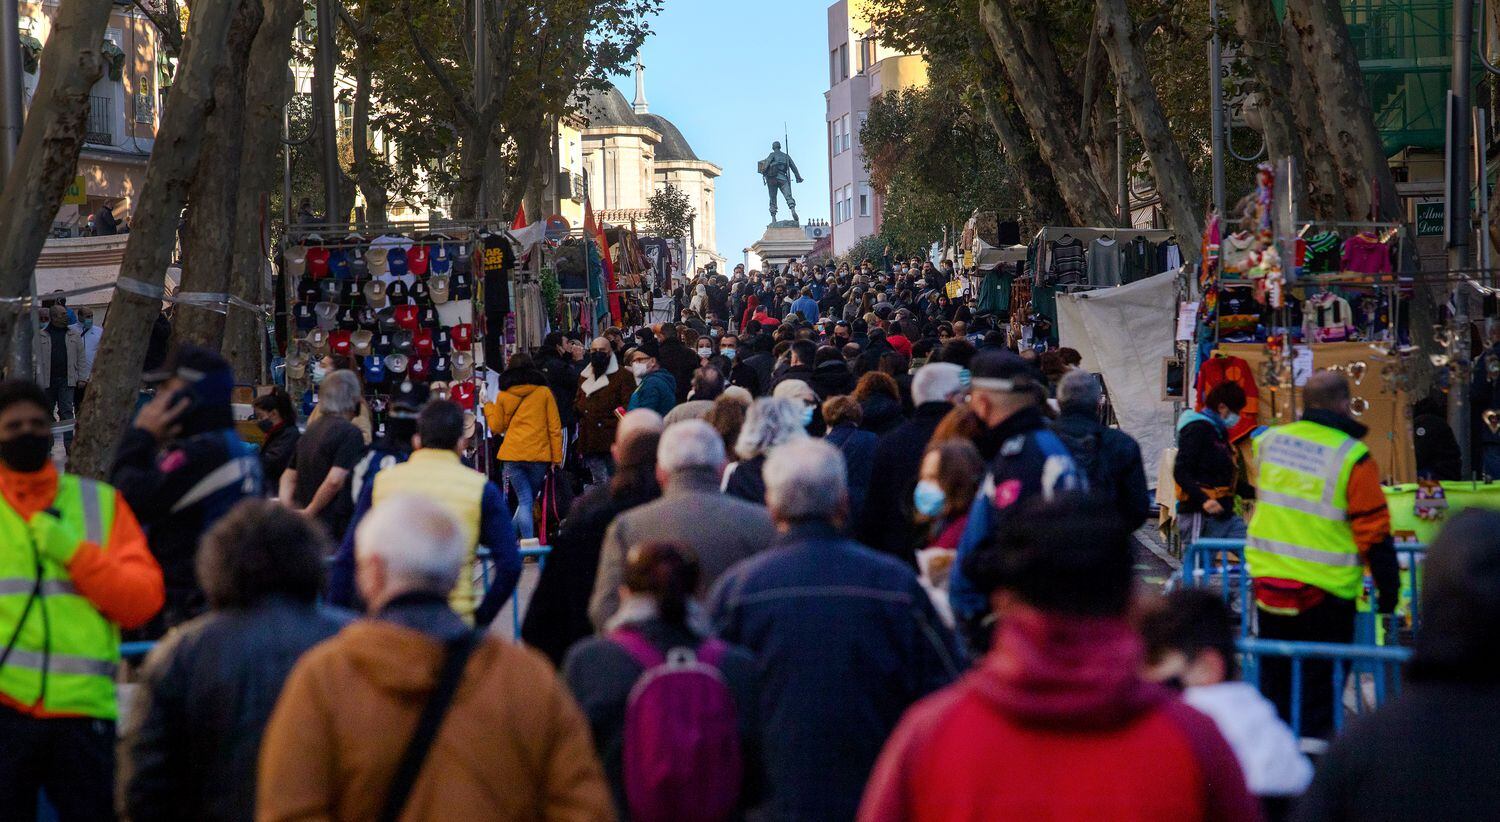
{"type": "Point", "coordinates": [219, 675]}
{"type": "Point", "coordinates": [527, 415]}
{"type": "Point", "coordinates": [656, 391]}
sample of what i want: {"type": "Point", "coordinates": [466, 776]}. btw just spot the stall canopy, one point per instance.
{"type": "Point", "coordinates": [988, 257]}
{"type": "Point", "coordinates": [1125, 333]}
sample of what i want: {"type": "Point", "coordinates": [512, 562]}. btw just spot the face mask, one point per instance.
{"type": "Point", "coordinates": [638, 369]}
{"type": "Point", "coordinates": [807, 416]}
{"type": "Point", "coordinates": [265, 424]}
{"type": "Point", "coordinates": [928, 498]}
{"type": "Point", "coordinates": [318, 373]}
{"type": "Point", "coordinates": [87, 324]}
{"type": "Point", "coordinates": [705, 353]}
{"type": "Point", "coordinates": [1232, 420]}
{"type": "Point", "coordinates": [26, 452]}
{"type": "Point", "coordinates": [599, 360]}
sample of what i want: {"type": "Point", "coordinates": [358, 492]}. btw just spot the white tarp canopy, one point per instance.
{"type": "Point", "coordinates": [987, 256]}
{"type": "Point", "coordinates": [1124, 333]}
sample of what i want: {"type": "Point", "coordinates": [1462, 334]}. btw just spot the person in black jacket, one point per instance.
{"type": "Point", "coordinates": [731, 361]}
{"type": "Point", "coordinates": [677, 359]}
{"type": "Point", "coordinates": [1436, 448]}
{"type": "Point", "coordinates": [1431, 753]}
{"type": "Point", "coordinates": [831, 375]}
{"type": "Point", "coordinates": [1206, 471]}
{"type": "Point", "coordinates": [1110, 459]}
{"type": "Point", "coordinates": [277, 420]}
{"type": "Point", "coordinates": [193, 740]}
{"type": "Point", "coordinates": [561, 360]}
{"type": "Point", "coordinates": [800, 359]}
{"type": "Point", "coordinates": [180, 467]}
{"type": "Point", "coordinates": [558, 615]}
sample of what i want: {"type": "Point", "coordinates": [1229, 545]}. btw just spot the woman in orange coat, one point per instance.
{"type": "Point", "coordinates": [525, 415]}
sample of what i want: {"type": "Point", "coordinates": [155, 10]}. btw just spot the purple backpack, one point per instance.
{"type": "Point", "coordinates": [682, 740]}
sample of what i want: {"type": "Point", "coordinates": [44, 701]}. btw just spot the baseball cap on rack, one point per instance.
{"type": "Point", "coordinates": [397, 364]}
{"type": "Point", "coordinates": [338, 264]}
{"type": "Point", "coordinates": [420, 369]}
{"type": "Point", "coordinates": [440, 259]}
{"type": "Point", "coordinates": [437, 288]}
{"type": "Point", "coordinates": [317, 262]}
{"type": "Point", "coordinates": [442, 367]}
{"type": "Point", "coordinates": [461, 286]}
{"type": "Point", "coordinates": [407, 317]}
{"type": "Point", "coordinates": [308, 291]}
{"type": "Point", "coordinates": [375, 294]}
{"type": "Point", "coordinates": [463, 336]}
{"type": "Point", "coordinates": [339, 343]}
{"type": "Point", "coordinates": [296, 366]}
{"type": "Point", "coordinates": [348, 318]}
{"type": "Point", "coordinates": [405, 341]}
{"type": "Point", "coordinates": [442, 341]}
{"type": "Point", "coordinates": [328, 315]}
{"type": "Point", "coordinates": [377, 260]}
{"type": "Point", "coordinates": [366, 317]}
{"type": "Point", "coordinates": [305, 317]}
{"type": "Point", "coordinates": [422, 341]}
{"type": "Point", "coordinates": [396, 259]}
{"type": "Point", "coordinates": [428, 318]}
{"type": "Point", "coordinates": [363, 342]}
{"type": "Point", "coordinates": [318, 339]}
{"type": "Point", "coordinates": [374, 368]}
{"type": "Point", "coordinates": [463, 365]}
{"type": "Point", "coordinates": [358, 267]}
{"type": "Point", "coordinates": [438, 390]}
{"type": "Point", "coordinates": [294, 261]}
{"type": "Point", "coordinates": [419, 292]}
{"type": "Point", "coordinates": [397, 292]}
{"type": "Point", "coordinates": [463, 394]}
{"type": "Point", "coordinates": [417, 260]}
{"type": "Point", "coordinates": [330, 291]}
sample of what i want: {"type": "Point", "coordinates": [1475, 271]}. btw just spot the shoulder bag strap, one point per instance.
{"type": "Point", "coordinates": [456, 657]}
{"type": "Point", "coordinates": [640, 649]}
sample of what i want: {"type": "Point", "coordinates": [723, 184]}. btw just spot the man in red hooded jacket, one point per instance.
{"type": "Point", "coordinates": [1055, 722]}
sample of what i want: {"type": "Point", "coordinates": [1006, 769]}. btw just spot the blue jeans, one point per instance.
{"type": "Point", "coordinates": [525, 478]}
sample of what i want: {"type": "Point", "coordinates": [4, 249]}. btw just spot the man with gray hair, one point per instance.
{"type": "Point", "coordinates": [888, 523]}
{"type": "Point", "coordinates": [513, 742]}
{"type": "Point", "coordinates": [1110, 459]}
{"type": "Point", "coordinates": [847, 638]}
{"type": "Point", "coordinates": [720, 530]}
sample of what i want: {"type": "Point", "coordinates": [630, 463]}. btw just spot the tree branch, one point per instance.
{"type": "Point", "coordinates": [167, 23]}
{"type": "Point", "coordinates": [459, 98]}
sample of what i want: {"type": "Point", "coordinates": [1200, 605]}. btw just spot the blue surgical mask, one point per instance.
{"type": "Point", "coordinates": [87, 324]}
{"type": "Point", "coordinates": [807, 416]}
{"type": "Point", "coordinates": [728, 353]}
{"type": "Point", "coordinates": [1232, 420]}
{"type": "Point", "coordinates": [928, 498]}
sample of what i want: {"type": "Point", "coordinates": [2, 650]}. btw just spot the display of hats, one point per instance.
{"type": "Point", "coordinates": [407, 316]}
{"type": "Point", "coordinates": [363, 342]}
{"type": "Point", "coordinates": [375, 294]}
{"type": "Point", "coordinates": [463, 365]}
{"type": "Point", "coordinates": [397, 363]}
{"type": "Point", "coordinates": [442, 367]}
{"type": "Point", "coordinates": [330, 291]}
{"type": "Point", "coordinates": [461, 286]}
{"type": "Point", "coordinates": [442, 340]}
{"type": "Point", "coordinates": [328, 315]}
{"type": "Point", "coordinates": [317, 262]}
{"type": "Point", "coordinates": [396, 260]}
{"type": "Point", "coordinates": [420, 368]}
{"type": "Point", "coordinates": [397, 292]}
{"type": "Point", "coordinates": [437, 288]}
{"type": "Point", "coordinates": [338, 343]}
{"type": "Point", "coordinates": [376, 260]}
{"type": "Point", "coordinates": [304, 316]}
{"type": "Point", "coordinates": [440, 259]}
{"type": "Point", "coordinates": [438, 389]}
{"type": "Point", "coordinates": [463, 394]}
{"type": "Point", "coordinates": [318, 339]}
{"type": "Point", "coordinates": [296, 366]}
{"type": "Point", "coordinates": [463, 336]}
{"type": "Point", "coordinates": [404, 341]}
{"type": "Point", "coordinates": [422, 341]}
{"type": "Point", "coordinates": [374, 370]}
{"type": "Point", "coordinates": [417, 260]}
{"type": "Point", "coordinates": [408, 394]}
{"type": "Point", "coordinates": [428, 318]}
{"type": "Point", "coordinates": [338, 264]}
{"type": "Point", "coordinates": [294, 261]}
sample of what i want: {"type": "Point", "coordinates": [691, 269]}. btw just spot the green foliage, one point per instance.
{"type": "Point", "coordinates": [671, 213]}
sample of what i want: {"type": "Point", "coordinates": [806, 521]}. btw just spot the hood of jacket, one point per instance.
{"type": "Point", "coordinates": [1189, 417]}
{"type": "Point", "coordinates": [523, 390]}
{"type": "Point", "coordinates": [514, 377]}
{"type": "Point", "coordinates": [1066, 672]}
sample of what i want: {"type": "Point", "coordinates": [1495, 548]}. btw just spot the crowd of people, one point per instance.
{"type": "Point", "coordinates": [827, 547]}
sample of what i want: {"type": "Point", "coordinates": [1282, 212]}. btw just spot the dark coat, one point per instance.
{"type": "Point", "coordinates": [746, 480]}
{"type": "Point", "coordinates": [882, 414]}
{"type": "Point", "coordinates": [763, 363]}
{"type": "Point", "coordinates": [795, 372]}
{"type": "Point", "coordinates": [276, 452]}
{"type": "Point", "coordinates": [888, 522]}
{"type": "Point", "coordinates": [596, 412]}
{"type": "Point", "coordinates": [677, 360]}
{"type": "Point", "coordinates": [562, 378]}
{"type": "Point", "coordinates": [1111, 460]}
{"type": "Point", "coordinates": [205, 696]}
{"type": "Point", "coordinates": [656, 391]}
{"type": "Point", "coordinates": [832, 378]}
{"type": "Point", "coordinates": [1205, 459]}
{"type": "Point", "coordinates": [846, 641]}
{"type": "Point", "coordinates": [858, 448]}
{"type": "Point", "coordinates": [559, 612]}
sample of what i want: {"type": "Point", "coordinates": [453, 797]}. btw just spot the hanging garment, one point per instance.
{"type": "Point", "coordinates": [1104, 263]}
{"type": "Point", "coordinates": [1221, 369]}
{"type": "Point", "coordinates": [1238, 314]}
{"type": "Point", "coordinates": [1068, 264]}
{"type": "Point", "coordinates": [1327, 317]}
{"type": "Point", "coordinates": [1235, 252]}
{"type": "Point", "coordinates": [1323, 253]}
{"type": "Point", "coordinates": [1168, 257]}
{"type": "Point", "coordinates": [1364, 253]}
{"type": "Point", "coordinates": [1140, 260]}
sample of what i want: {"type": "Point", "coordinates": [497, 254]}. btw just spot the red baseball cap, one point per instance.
{"type": "Point", "coordinates": [317, 262]}
{"type": "Point", "coordinates": [422, 339]}
{"type": "Point", "coordinates": [406, 317]}
{"type": "Point", "coordinates": [462, 393]}
{"type": "Point", "coordinates": [463, 336]}
{"type": "Point", "coordinates": [340, 341]}
{"type": "Point", "coordinates": [416, 260]}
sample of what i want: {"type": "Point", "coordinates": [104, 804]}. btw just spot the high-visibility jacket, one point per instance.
{"type": "Point", "coordinates": [1300, 530]}
{"type": "Point", "coordinates": [440, 476]}
{"type": "Point", "coordinates": [62, 650]}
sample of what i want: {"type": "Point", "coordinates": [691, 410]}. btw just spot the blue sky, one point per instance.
{"type": "Point", "coordinates": [706, 67]}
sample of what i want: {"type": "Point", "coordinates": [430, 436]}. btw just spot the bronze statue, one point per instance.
{"type": "Point", "coordinates": [777, 170]}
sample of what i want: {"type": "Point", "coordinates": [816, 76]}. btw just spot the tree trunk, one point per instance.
{"type": "Point", "coordinates": [208, 237]}
{"type": "Point", "coordinates": [1038, 188]}
{"type": "Point", "coordinates": [1169, 168]}
{"type": "Point", "coordinates": [111, 398]}
{"type": "Point", "coordinates": [47, 157]}
{"type": "Point", "coordinates": [1324, 199]}
{"type": "Point", "coordinates": [1364, 170]}
{"type": "Point", "coordinates": [376, 198]}
{"type": "Point", "coordinates": [342, 184]}
{"type": "Point", "coordinates": [1256, 23]}
{"type": "Point", "coordinates": [1044, 108]}
{"type": "Point", "coordinates": [266, 92]}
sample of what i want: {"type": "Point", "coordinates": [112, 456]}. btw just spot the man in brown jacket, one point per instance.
{"type": "Point", "coordinates": [513, 745]}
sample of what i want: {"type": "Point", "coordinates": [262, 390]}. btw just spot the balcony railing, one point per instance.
{"type": "Point", "coordinates": [100, 130]}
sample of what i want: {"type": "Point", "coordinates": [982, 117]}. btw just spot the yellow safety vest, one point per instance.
{"type": "Point", "coordinates": [65, 652]}
{"type": "Point", "coordinates": [439, 476]}
{"type": "Point", "coordinates": [1300, 530]}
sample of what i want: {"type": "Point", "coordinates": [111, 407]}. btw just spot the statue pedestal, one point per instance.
{"type": "Point", "coordinates": [783, 242]}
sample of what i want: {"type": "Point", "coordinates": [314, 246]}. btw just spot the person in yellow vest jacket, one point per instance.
{"type": "Point", "coordinates": [435, 471]}
{"type": "Point", "coordinates": [74, 569]}
{"type": "Point", "coordinates": [526, 415]}
{"type": "Point", "coordinates": [1320, 518]}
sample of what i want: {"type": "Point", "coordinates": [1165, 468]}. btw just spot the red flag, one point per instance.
{"type": "Point", "coordinates": [520, 220]}
{"type": "Point", "coordinates": [609, 275]}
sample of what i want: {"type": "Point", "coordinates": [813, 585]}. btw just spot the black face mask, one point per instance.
{"type": "Point", "coordinates": [265, 424]}
{"type": "Point", "coordinates": [26, 452]}
{"type": "Point", "coordinates": [599, 360]}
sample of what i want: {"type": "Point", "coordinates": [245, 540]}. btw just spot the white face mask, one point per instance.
{"type": "Point", "coordinates": [705, 353]}
{"type": "Point", "coordinates": [638, 369]}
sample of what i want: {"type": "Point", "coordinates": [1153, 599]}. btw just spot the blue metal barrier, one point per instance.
{"type": "Point", "coordinates": [1221, 563]}
{"type": "Point", "coordinates": [1376, 666]}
